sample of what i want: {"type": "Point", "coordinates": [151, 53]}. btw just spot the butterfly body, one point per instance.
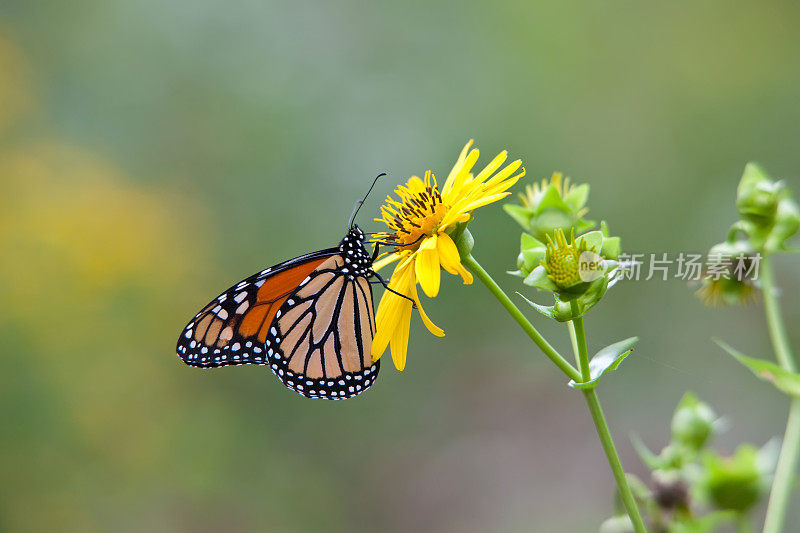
{"type": "Point", "coordinates": [311, 319]}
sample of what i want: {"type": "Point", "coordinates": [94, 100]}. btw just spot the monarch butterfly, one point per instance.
{"type": "Point", "coordinates": [310, 319]}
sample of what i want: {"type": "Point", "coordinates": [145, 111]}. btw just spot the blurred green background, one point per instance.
{"type": "Point", "coordinates": [152, 153]}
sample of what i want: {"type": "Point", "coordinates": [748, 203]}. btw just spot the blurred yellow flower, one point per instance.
{"type": "Point", "coordinates": [419, 224]}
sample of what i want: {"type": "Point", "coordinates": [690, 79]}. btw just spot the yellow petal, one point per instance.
{"type": "Point", "coordinates": [391, 258]}
{"type": "Point", "coordinates": [491, 167]}
{"type": "Point", "coordinates": [385, 323]}
{"type": "Point", "coordinates": [451, 260]}
{"type": "Point", "coordinates": [433, 328]}
{"type": "Point", "coordinates": [463, 177]}
{"type": "Point", "coordinates": [465, 274]}
{"type": "Point", "coordinates": [448, 184]}
{"type": "Point", "coordinates": [448, 253]}
{"type": "Point", "coordinates": [390, 310]}
{"type": "Point", "coordinates": [427, 267]}
{"type": "Point", "coordinates": [505, 173]}
{"type": "Point", "coordinates": [399, 342]}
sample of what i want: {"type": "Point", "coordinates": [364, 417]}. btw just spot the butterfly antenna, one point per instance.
{"type": "Point", "coordinates": [361, 202]}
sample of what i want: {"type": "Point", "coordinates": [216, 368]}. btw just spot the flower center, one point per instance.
{"type": "Point", "coordinates": [418, 216]}
{"type": "Point", "coordinates": [562, 267]}
{"type": "Point", "coordinates": [563, 260]}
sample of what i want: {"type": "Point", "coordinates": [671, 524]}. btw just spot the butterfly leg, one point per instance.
{"type": "Point", "coordinates": [386, 286]}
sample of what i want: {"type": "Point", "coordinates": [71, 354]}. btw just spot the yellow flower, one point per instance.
{"type": "Point", "coordinates": [420, 222]}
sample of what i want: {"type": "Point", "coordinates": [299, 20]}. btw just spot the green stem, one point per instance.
{"type": "Point", "coordinates": [613, 460]}
{"type": "Point", "coordinates": [573, 338]}
{"type": "Point", "coordinates": [603, 432]}
{"type": "Point", "coordinates": [777, 331]}
{"type": "Point", "coordinates": [784, 471]}
{"type": "Point", "coordinates": [580, 338]}
{"type": "Point", "coordinates": [517, 315]}
{"type": "Point", "coordinates": [787, 460]}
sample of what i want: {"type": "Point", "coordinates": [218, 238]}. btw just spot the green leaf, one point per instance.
{"type": "Point", "coordinates": [606, 360]}
{"type": "Point", "coordinates": [543, 309]}
{"type": "Point", "coordinates": [788, 382]}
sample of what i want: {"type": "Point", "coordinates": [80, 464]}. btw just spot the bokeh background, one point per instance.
{"type": "Point", "coordinates": [154, 152]}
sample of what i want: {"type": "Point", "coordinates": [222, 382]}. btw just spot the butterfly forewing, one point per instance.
{"type": "Point", "coordinates": [310, 319]}
{"type": "Point", "coordinates": [232, 328]}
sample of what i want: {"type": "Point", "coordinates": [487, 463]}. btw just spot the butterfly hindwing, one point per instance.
{"type": "Point", "coordinates": [320, 342]}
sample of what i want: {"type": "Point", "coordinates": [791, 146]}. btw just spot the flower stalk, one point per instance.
{"type": "Point", "coordinates": [787, 460]}
{"type": "Point", "coordinates": [603, 431]}
{"type": "Point", "coordinates": [583, 376]}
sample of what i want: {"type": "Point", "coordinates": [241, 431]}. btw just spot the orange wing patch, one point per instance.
{"type": "Point", "coordinates": [272, 294]}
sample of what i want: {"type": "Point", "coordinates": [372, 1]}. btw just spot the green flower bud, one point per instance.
{"type": "Point", "coordinates": [550, 206]}
{"type": "Point", "coordinates": [757, 196]}
{"type": "Point", "coordinates": [733, 483]}
{"type": "Point", "coordinates": [563, 308]}
{"type": "Point", "coordinates": [692, 422]}
{"type": "Point", "coordinates": [768, 214]}
{"type": "Point", "coordinates": [729, 278]}
{"type": "Point", "coordinates": [576, 271]}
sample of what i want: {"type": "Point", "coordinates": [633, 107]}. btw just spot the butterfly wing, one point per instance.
{"type": "Point", "coordinates": [319, 344]}
{"type": "Point", "coordinates": [232, 328]}
{"type": "Point", "coordinates": [311, 319]}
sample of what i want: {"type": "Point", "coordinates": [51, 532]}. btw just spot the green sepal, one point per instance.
{"type": "Point", "coordinates": [463, 239]}
{"type": "Point", "coordinates": [606, 360]}
{"type": "Point", "coordinates": [538, 278]}
{"type": "Point", "coordinates": [532, 252]}
{"type": "Point", "coordinates": [617, 524]}
{"type": "Point", "coordinates": [707, 523]}
{"type": "Point", "coordinates": [783, 380]}
{"type": "Point", "coordinates": [612, 246]}
{"type": "Point", "coordinates": [548, 311]}
{"type": "Point", "coordinates": [593, 240]}
{"type": "Point", "coordinates": [551, 199]}
{"type": "Point", "coordinates": [549, 221]}
{"type": "Point", "coordinates": [577, 197]}
{"type": "Point", "coordinates": [591, 297]}
{"type": "Point", "coordinates": [650, 459]}
{"type": "Point", "coordinates": [731, 249]}
{"type": "Point", "coordinates": [787, 222]}
{"type": "Point", "coordinates": [521, 214]}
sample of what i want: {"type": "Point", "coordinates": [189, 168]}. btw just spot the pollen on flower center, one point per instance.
{"type": "Point", "coordinates": [419, 212]}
